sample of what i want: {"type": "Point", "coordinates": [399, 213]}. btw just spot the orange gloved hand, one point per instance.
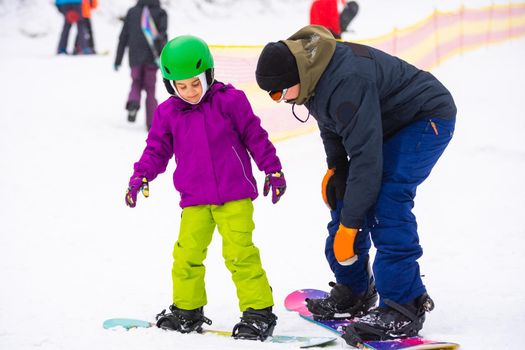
{"type": "Point", "coordinates": [326, 178]}
{"type": "Point", "coordinates": [344, 245]}
{"type": "Point", "coordinates": [333, 186]}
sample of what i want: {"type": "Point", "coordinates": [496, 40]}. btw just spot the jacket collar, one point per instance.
{"type": "Point", "coordinates": [313, 48]}
{"type": "Point", "coordinates": [150, 3]}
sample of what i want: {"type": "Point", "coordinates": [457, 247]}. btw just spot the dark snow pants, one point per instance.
{"type": "Point", "coordinates": [144, 77]}
{"type": "Point", "coordinates": [408, 158]}
{"type": "Point", "coordinates": [72, 15]}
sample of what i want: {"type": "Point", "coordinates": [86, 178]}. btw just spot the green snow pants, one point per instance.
{"type": "Point", "coordinates": [235, 224]}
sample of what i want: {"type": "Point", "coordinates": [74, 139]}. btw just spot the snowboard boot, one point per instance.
{"type": "Point", "coordinates": [184, 321]}
{"type": "Point", "coordinates": [132, 107]}
{"type": "Point", "coordinates": [343, 303]}
{"type": "Point", "coordinates": [390, 322]}
{"type": "Point", "coordinates": [255, 324]}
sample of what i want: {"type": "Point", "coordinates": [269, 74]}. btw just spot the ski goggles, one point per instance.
{"type": "Point", "coordinates": [278, 95]}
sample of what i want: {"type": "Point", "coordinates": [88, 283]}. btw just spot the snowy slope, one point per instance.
{"type": "Point", "coordinates": [72, 255]}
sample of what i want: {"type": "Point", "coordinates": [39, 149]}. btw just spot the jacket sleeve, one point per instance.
{"type": "Point", "coordinates": [252, 134]}
{"type": "Point", "coordinates": [356, 109]}
{"type": "Point", "coordinates": [162, 27]}
{"type": "Point", "coordinates": [333, 145]}
{"type": "Point", "coordinates": [158, 151]}
{"type": "Point", "coordinates": [122, 41]}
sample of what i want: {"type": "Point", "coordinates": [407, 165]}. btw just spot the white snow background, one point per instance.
{"type": "Point", "coordinates": [72, 254]}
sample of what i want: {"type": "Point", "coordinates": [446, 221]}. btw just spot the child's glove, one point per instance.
{"type": "Point", "coordinates": [344, 245]}
{"type": "Point", "coordinates": [278, 184]}
{"type": "Point", "coordinates": [135, 185]}
{"type": "Point", "coordinates": [334, 185]}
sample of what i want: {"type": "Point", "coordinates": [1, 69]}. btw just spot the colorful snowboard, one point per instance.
{"type": "Point", "coordinates": [149, 29]}
{"type": "Point", "coordinates": [304, 342]}
{"type": "Point", "coordinates": [295, 301]}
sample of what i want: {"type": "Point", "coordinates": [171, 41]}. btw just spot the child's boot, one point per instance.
{"type": "Point", "coordinates": [132, 108]}
{"type": "Point", "coordinates": [390, 322]}
{"type": "Point", "coordinates": [255, 324]}
{"type": "Point", "coordinates": [183, 321]}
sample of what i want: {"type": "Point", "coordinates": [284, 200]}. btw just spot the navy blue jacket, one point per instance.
{"type": "Point", "coordinates": [363, 97]}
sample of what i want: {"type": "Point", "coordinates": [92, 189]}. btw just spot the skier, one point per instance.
{"type": "Point", "coordinates": [142, 59]}
{"type": "Point", "coordinates": [71, 10]}
{"type": "Point", "coordinates": [211, 129]}
{"type": "Point", "coordinates": [87, 6]}
{"type": "Point", "coordinates": [335, 15]}
{"type": "Point", "coordinates": [384, 124]}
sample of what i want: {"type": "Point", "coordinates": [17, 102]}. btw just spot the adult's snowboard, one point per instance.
{"type": "Point", "coordinates": [295, 301]}
{"type": "Point", "coordinates": [304, 342]}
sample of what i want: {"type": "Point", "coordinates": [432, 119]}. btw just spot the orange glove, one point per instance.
{"type": "Point", "coordinates": [344, 245]}
{"type": "Point", "coordinates": [333, 186]}
{"type": "Point", "coordinates": [329, 173]}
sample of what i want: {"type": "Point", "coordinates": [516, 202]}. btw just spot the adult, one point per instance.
{"type": "Point", "coordinates": [384, 124]}
{"type": "Point", "coordinates": [72, 12]}
{"type": "Point", "coordinates": [335, 15]}
{"type": "Point", "coordinates": [87, 6]}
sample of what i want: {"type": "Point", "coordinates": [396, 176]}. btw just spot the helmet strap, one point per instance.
{"type": "Point", "coordinates": [210, 76]}
{"type": "Point", "coordinates": [169, 87]}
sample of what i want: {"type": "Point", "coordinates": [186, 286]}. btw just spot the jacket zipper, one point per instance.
{"type": "Point", "coordinates": [243, 170]}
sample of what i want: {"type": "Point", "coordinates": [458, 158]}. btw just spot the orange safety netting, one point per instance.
{"type": "Point", "coordinates": [426, 44]}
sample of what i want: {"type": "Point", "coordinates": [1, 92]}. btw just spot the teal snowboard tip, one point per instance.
{"type": "Point", "coordinates": [126, 323]}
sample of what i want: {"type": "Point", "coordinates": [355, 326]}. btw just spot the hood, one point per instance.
{"type": "Point", "coordinates": [149, 3]}
{"type": "Point", "coordinates": [313, 47]}
{"type": "Point", "coordinates": [216, 86]}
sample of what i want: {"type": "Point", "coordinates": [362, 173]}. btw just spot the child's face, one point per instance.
{"type": "Point", "coordinates": [189, 89]}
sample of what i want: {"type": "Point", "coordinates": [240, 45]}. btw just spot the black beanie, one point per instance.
{"type": "Point", "coordinates": [276, 68]}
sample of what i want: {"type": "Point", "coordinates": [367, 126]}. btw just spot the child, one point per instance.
{"type": "Point", "coordinates": [142, 58]}
{"type": "Point", "coordinates": [211, 129]}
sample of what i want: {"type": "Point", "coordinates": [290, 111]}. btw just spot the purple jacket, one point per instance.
{"type": "Point", "coordinates": [211, 141]}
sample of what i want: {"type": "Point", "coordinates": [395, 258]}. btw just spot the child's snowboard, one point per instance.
{"type": "Point", "coordinates": [149, 29]}
{"type": "Point", "coordinates": [304, 342]}
{"type": "Point", "coordinates": [295, 301]}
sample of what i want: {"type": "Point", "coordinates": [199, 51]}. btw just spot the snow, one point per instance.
{"type": "Point", "coordinates": [72, 255]}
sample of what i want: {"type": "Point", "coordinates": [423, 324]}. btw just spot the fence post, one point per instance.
{"type": "Point", "coordinates": [509, 21]}
{"type": "Point", "coordinates": [489, 25]}
{"type": "Point", "coordinates": [394, 42]}
{"type": "Point", "coordinates": [436, 36]}
{"type": "Point", "coordinates": [461, 28]}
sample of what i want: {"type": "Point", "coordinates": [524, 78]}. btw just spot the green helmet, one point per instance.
{"type": "Point", "coordinates": [185, 57]}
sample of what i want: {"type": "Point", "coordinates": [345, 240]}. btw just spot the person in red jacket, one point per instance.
{"type": "Point", "coordinates": [335, 15]}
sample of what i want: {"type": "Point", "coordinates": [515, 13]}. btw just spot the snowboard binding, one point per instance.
{"type": "Point", "coordinates": [255, 324]}
{"type": "Point", "coordinates": [183, 321]}
{"type": "Point", "coordinates": [391, 322]}
{"type": "Point", "coordinates": [342, 303]}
